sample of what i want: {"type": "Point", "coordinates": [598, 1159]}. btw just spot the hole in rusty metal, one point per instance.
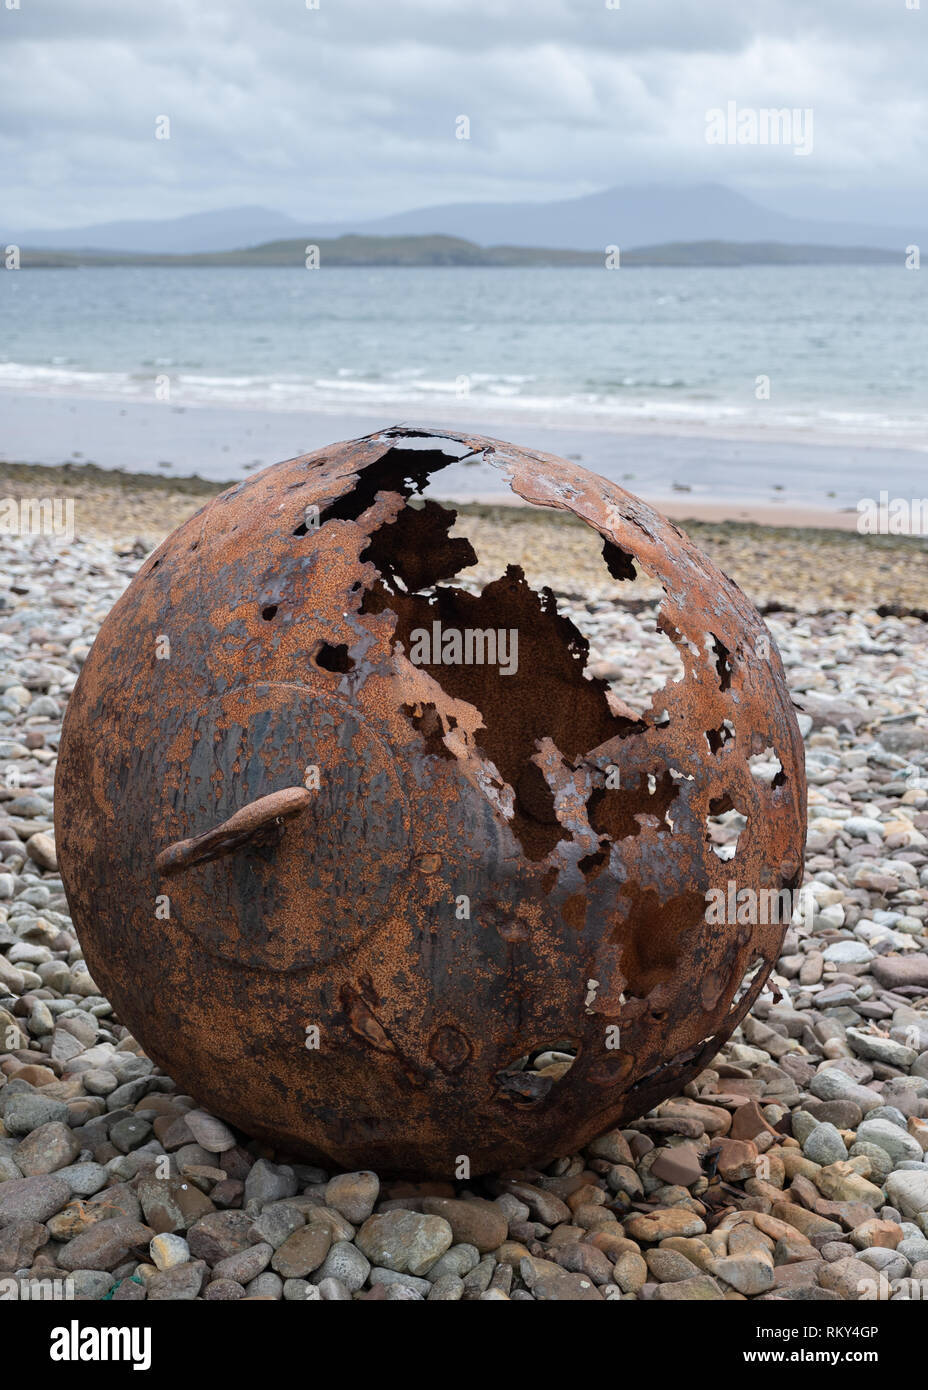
{"type": "Point", "coordinates": [529, 1079]}
{"type": "Point", "coordinates": [543, 695]}
{"type": "Point", "coordinates": [722, 662]}
{"type": "Point", "coordinates": [747, 981]}
{"type": "Point", "coordinates": [640, 621]}
{"type": "Point", "coordinates": [620, 564]}
{"type": "Point", "coordinates": [427, 721]}
{"type": "Point", "coordinates": [682, 645]}
{"type": "Point", "coordinates": [766, 767]}
{"type": "Point", "coordinates": [618, 812]}
{"type": "Point", "coordinates": [592, 864]}
{"type": "Point", "coordinates": [416, 548]}
{"type": "Point", "coordinates": [724, 826]}
{"type": "Point", "coordinates": [675, 1063]}
{"type": "Point", "coordinates": [269, 612]}
{"type": "Point", "coordinates": [546, 696]}
{"type": "Point", "coordinates": [334, 658]}
{"type": "Point", "coordinates": [717, 738]}
{"type": "Point", "coordinates": [540, 721]}
{"type": "Point", "coordinates": [399, 470]}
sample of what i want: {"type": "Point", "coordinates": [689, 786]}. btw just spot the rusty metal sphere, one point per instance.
{"type": "Point", "coordinates": [341, 895]}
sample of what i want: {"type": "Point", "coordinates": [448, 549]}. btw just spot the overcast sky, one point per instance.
{"type": "Point", "coordinates": [349, 110]}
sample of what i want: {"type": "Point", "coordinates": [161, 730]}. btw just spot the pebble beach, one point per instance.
{"type": "Point", "coordinates": [795, 1166]}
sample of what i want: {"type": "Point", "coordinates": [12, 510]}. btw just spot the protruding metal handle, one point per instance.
{"type": "Point", "coordinates": [250, 823]}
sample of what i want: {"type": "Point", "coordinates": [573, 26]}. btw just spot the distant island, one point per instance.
{"type": "Point", "coordinates": [416, 251]}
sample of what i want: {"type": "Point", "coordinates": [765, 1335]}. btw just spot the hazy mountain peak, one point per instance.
{"type": "Point", "coordinates": [627, 216]}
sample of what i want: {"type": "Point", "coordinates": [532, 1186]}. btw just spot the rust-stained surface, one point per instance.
{"type": "Point", "coordinates": [265, 647]}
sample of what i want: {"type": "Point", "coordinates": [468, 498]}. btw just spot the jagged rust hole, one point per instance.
{"type": "Point", "coordinates": [723, 664]}
{"type": "Point", "coordinates": [427, 721]}
{"type": "Point", "coordinates": [545, 694]}
{"type": "Point", "coordinates": [530, 1078]}
{"type": "Point", "coordinates": [766, 767]}
{"type": "Point", "coordinates": [552, 697]}
{"type": "Point", "coordinates": [334, 657]}
{"type": "Point", "coordinates": [624, 811]}
{"type": "Point", "coordinates": [592, 864]}
{"type": "Point", "coordinates": [717, 738]}
{"type": "Point", "coordinates": [747, 982]}
{"type": "Point", "coordinates": [724, 826]}
{"type": "Point", "coordinates": [665, 666]}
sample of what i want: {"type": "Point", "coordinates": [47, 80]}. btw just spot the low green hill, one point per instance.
{"type": "Point", "coordinates": [455, 251]}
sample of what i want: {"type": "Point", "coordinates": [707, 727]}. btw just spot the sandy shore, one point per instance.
{"type": "Point", "coordinates": [782, 556]}
{"type": "Point", "coordinates": [682, 508]}
{"type": "Point", "coordinates": [703, 475]}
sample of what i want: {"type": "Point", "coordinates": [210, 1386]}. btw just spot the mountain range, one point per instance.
{"type": "Point", "coordinates": [627, 217]}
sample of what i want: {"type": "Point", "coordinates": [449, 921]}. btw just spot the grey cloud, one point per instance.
{"type": "Point", "coordinates": [349, 110]}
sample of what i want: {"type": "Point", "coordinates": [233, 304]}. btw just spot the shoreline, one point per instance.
{"type": "Point", "coordinates": [686, 476]}
{"type": "Point", "coordinates": [19, 480]}
{"type": "Point", "coordinates": [489, 415]}
{"type": "Point", "coordinates": [685, 472]}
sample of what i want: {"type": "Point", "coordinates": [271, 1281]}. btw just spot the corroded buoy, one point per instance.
{"type": "Point", "coordinates": [387, 907]}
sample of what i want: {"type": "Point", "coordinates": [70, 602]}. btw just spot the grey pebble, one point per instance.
{"type": "Point", "coordinates": [269, 1182]}
{"type": "Point", "coordinates": [346, 1263]}
{"type": "Point", "coordinates": [334, 1291]}
{"type": "Point", "coordinates": [27, 1110]}
{"type": "Point", "coordinates": [84, 1179]}
{"type": "Point", "coordinates": [266, 1285]}
{"type": "Point", "coordinates": [824, 1145]}
{"type": "Point", "coordinates": [459, 1260]}
{"type": "Point", "coordinates": [449, 1288]}
{"type": "Point", "coordinates": [390, 1276]}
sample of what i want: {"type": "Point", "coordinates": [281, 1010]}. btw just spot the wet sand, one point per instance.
{"type": "Point", "coordinates": [777, 480]}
